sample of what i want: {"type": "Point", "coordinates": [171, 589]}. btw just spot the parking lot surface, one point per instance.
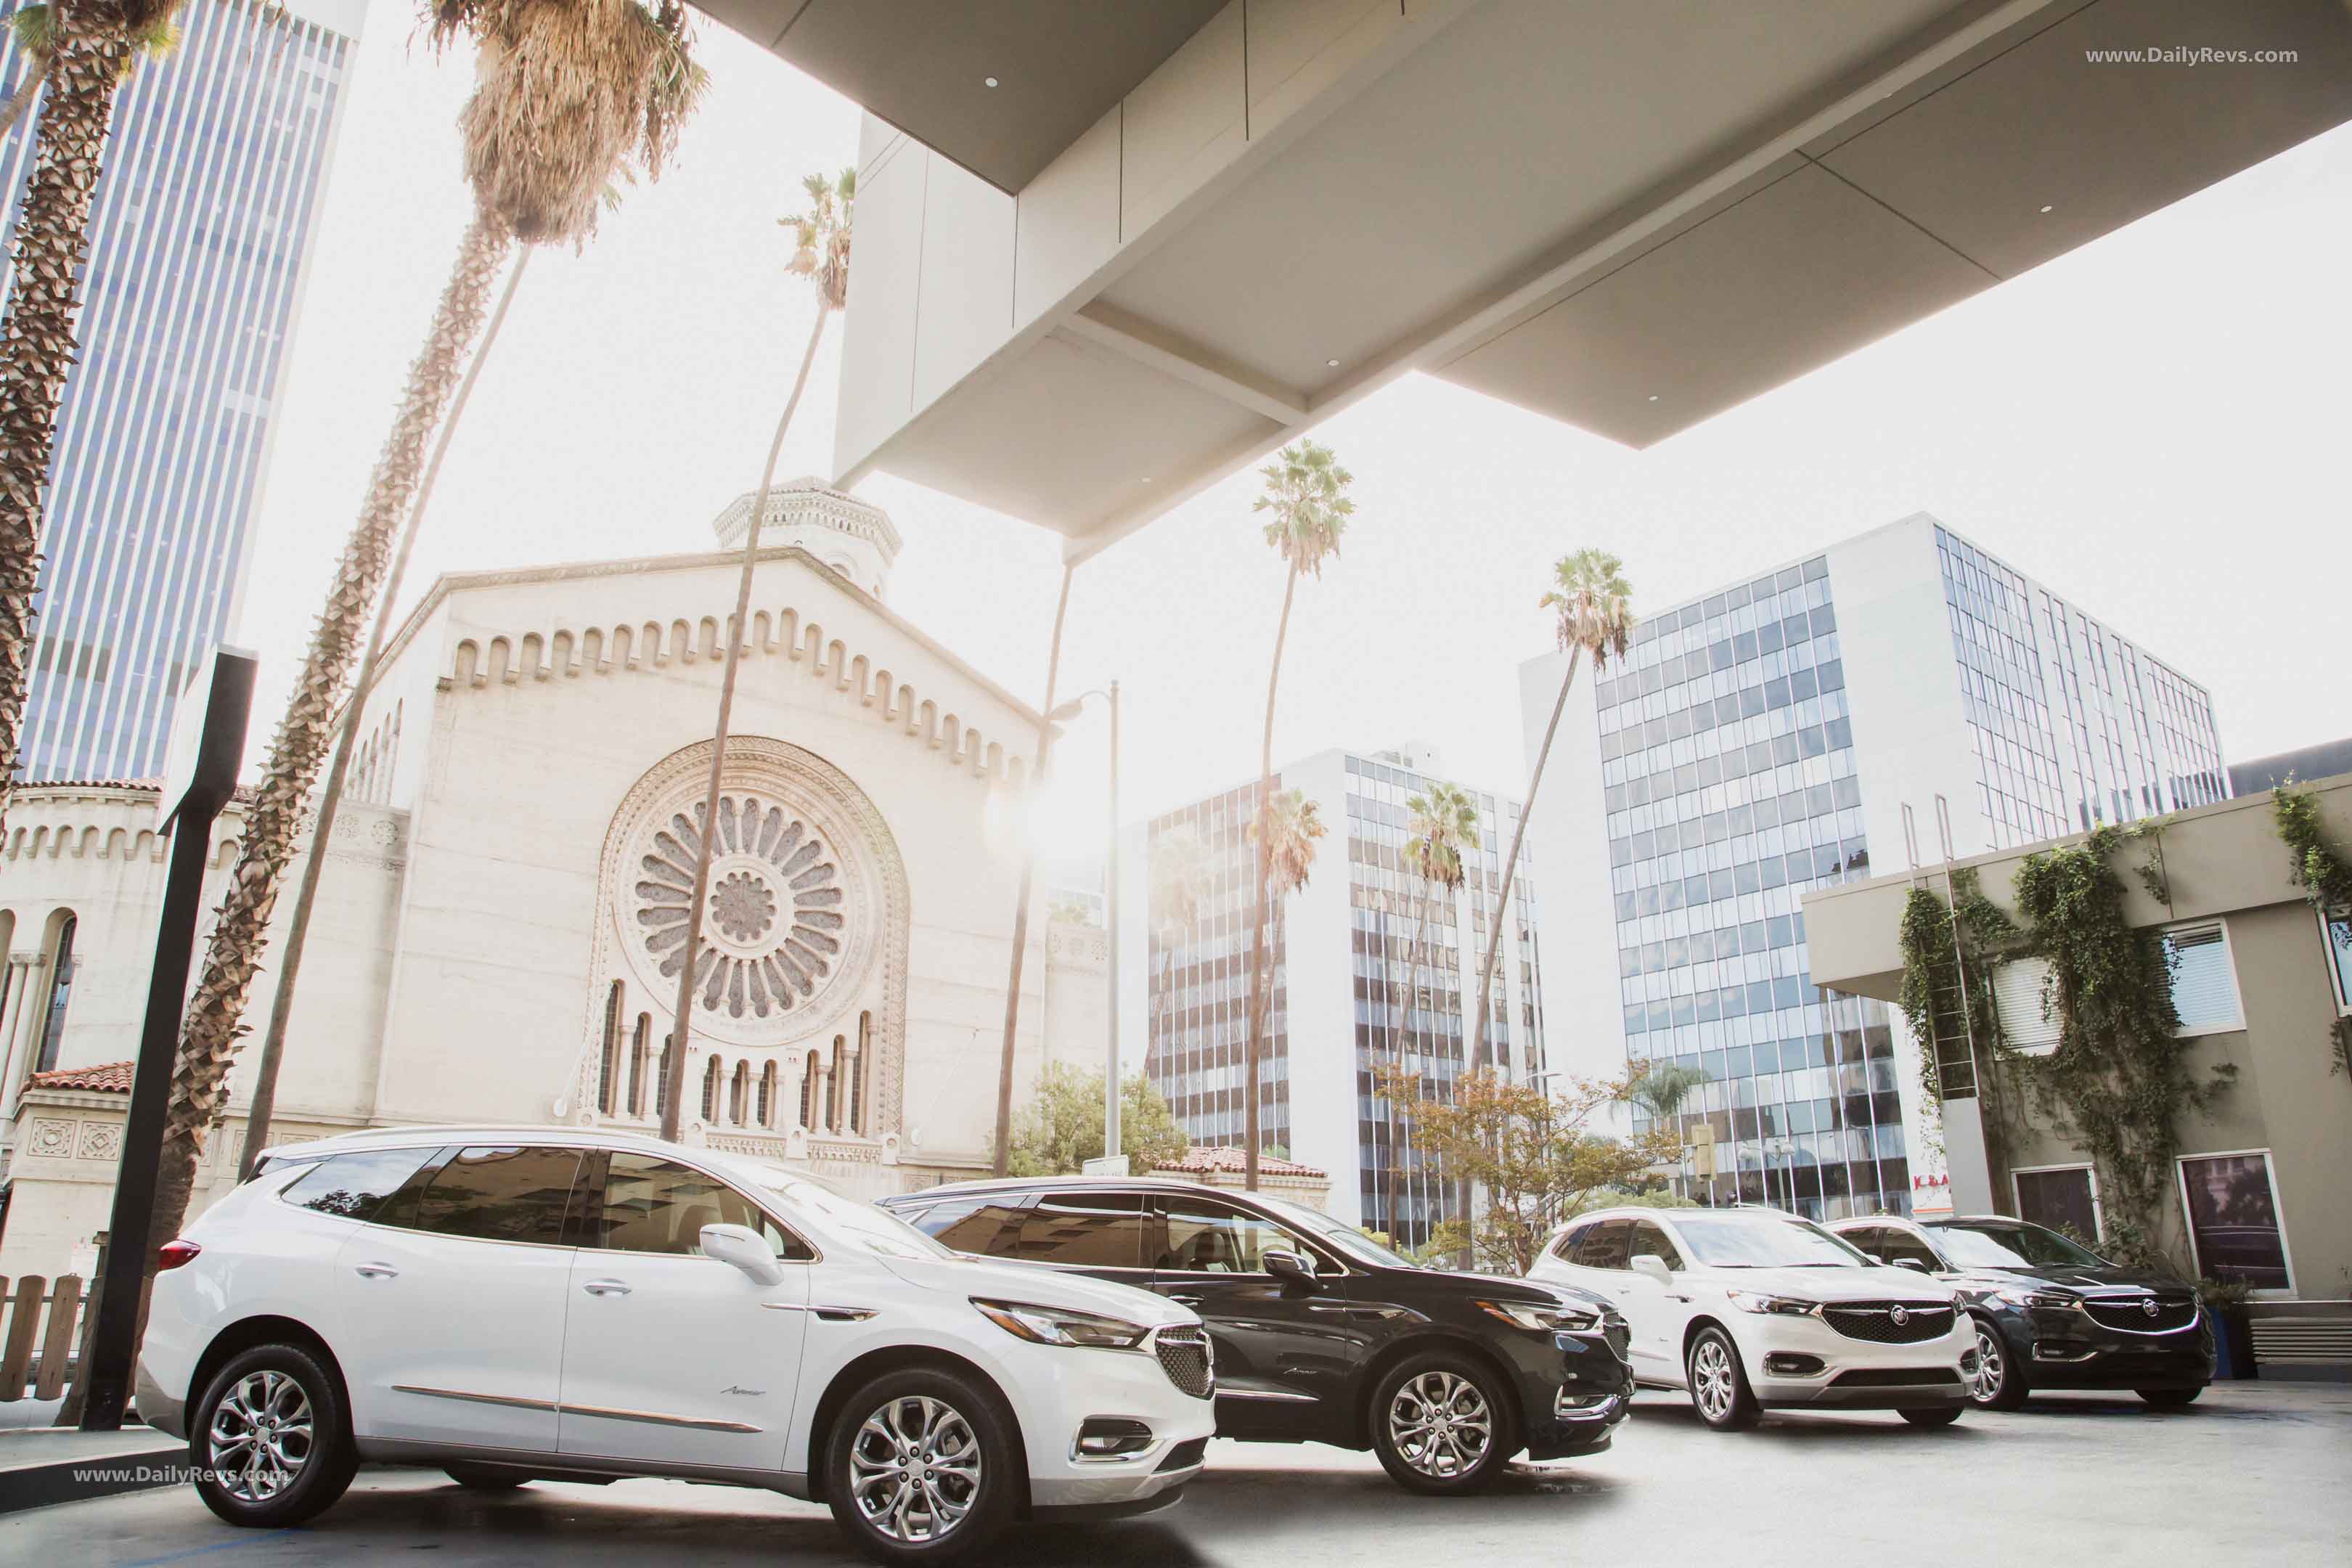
{"type": "Point", "coordinates": [2254, 1473]}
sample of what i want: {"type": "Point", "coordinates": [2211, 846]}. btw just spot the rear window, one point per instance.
{"type": "Point", "coordinates": [354, 1187]}
{"type": "Point", "coordinates": [971, 1225]}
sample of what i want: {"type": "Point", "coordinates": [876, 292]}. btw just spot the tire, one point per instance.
{"type": "Point", "coordinates": [957, 1503]}
{"type": "Point", "coordinates": [476, 1480]}
{"type": "Point", "coordinates": [269, 1441]}
{"type": "Point", "coordinates": [2000, 1383]}
{"type": "Point", "coordinates": [1443, 1423]}
{"type": "Point", "coordinates": [1718, 1384]}
{"type": "Point", "coordinates": [1932, 1415]}
{"type": "Point", "coordinates": [2170, 1398]}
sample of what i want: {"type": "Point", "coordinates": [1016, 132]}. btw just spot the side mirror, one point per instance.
{"type": "Point", "coordinates": [741, 1246]}
{"type": "Point", "coordinates": [1290, 1268]}
{"type": "Point", "coordinates": [1911, 1263]}
{"type": "Point", "coordinates": [1653, 1268]}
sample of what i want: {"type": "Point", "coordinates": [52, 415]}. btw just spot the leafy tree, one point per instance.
{"type": "Point", "coordinates": [1181, 877]}
{"type": "Point", "coordinates": [1529, 1149]}
{"type": "Point", "coordinates": [1306, 492]}
{"type": "Point", "coordinates": [1062, 1129]}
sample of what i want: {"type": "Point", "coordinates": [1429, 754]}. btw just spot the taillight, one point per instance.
{"type": "Point", "coordinates": [172, 1254]}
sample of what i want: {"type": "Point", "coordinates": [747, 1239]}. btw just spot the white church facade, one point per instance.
{"type": "Point", "coordinates": [501, 918]}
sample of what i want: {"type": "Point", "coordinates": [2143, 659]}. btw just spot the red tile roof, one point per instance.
{"type": "Point", "coordinates": [1202, 1161]}
{"type": "Point", "coordinates": [106, 1078]}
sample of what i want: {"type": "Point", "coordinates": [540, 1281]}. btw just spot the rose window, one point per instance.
{"type": "Point", "coordinates": [772, 932]}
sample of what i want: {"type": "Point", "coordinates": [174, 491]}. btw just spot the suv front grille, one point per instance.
{"type": "Point", "coordinates": [1183, 1354]}
{"type": "Point", "coordinates": [1875, 1321]}
{"type": "Point", "coordinates": [1620, 1338]}
{"type": "Point", "coordinates": [2130, 1314]}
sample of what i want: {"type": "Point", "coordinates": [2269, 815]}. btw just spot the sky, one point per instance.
{"type": "Point", "coordinates": [2153, 426]}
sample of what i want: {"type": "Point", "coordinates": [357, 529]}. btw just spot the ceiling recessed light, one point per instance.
{"type": "Point", "coordinates": [1331, 365]}
{"type": "Point", "coordinates": [2045, 207]}
{"type": "Point", "coordinates": [1146, 478]}
{"type": "Point", "coordinates": [990, 80]}
{"type": "Point", "coordinates": [1654, 397]}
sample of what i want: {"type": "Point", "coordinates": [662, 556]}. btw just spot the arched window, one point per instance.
{"type": "Point", "coordinates": [768, 1095]}
{"type": "Point", "coordinates": [61, 978]}
{"type": "Point", "coordinates": [608, 1068]}
{"type": "Point", "coordinates": [638, 1049]}
{"type": "Point", "coordinates": [710, 1091]}
{"type": "Point", "coordinates": [857, 1072]}
{"type": "Point", "coordinates": [737, 1092]}
{"type": "Point", "coordinates": [833, 1086]}
{"type": "Point", "coordinates": [661, 1080]}
{"type": "Point", "coordinates": [808, 1092]}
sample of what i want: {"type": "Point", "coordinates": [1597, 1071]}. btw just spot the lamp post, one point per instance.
{"type": "Point", "coordinates": [1062, 714]}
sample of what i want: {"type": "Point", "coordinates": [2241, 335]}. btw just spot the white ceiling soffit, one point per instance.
{"type": "Point", "coordinates": [1629, 217]}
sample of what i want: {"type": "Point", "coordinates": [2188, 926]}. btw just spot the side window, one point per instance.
{"type": "Point", "coordinates": [972, 1224]}
{"type": "Point", "coordinates": [658, 1206]}
{"type": "Point", "coordinates": [1650, 1241]}
{"type": "Point", "coordinates": [1086, 1230]}
{"type": "Point", "coordinates": [1569, 1239]}
{"type": "Point", "coordinates": [1870, 1240]}
{"type": "Point", "coordinates": [1897, 1245]}
{"type": "Point", "coordinates": [1603, 1246]}
{"type": "Point", "coordinates": [1201, 1236]}
{"type": "Point", "coordinates": [355, 1186]}
{"type": "Point", "coordinates": [495, 1192]}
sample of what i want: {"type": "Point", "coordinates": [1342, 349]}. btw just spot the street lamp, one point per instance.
{"type": "Point", "coordinates": [1062, 715]}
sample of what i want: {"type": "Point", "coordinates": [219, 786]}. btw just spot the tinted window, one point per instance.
{"type": "Point", "coordinates": [356, 1185]}
{"type": "Point", "coordinates": [1868, 1239]}
{"type": "Point", "coordinates": [1989, 1243]}
{"type": "Point", "coordinates": [1087, 1230]}
{"type": "Point", "coordinates": [2063, 1200]}
{"type": "Point", "coordinates": [1603, 1246]}
{"type": "Point", "coordinates": [1650, 1241]}
{"type": "Point", "coordinates": [972, 1224]}
{"type": "Point", "coordinates": [500, 1194]}
{"type": "Point", "coordinates": [659, 1206]}
{"type": "Point", "coordinates": [1197, 1235]}
{"type": "Point", "coordinates": [1901, 1245]}
{"type": "Point", "coordinates": [1565, 1248]}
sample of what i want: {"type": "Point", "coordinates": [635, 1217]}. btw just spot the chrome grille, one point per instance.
{"type": "Point", "coordinates": [1184, 1356]}
{"type": "Point", "coordinates": [2130, 1314]}
{"type": "Point", "coordinates": [1876, 1321]}
{"type": "Point", "coordinates": [1620, 1338]}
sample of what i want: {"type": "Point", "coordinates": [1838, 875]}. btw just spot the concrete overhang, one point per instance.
{"type": "Point", "coordinates": [1629, 217]}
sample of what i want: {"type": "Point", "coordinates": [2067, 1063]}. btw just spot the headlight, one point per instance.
{"type": "Point", "coordinates": [2025, 1296]}
{"type": "Point", "coordinates": [1059, 1326]}
{"type": "Point", "coordinates": [1541, 1319]}
{"type": "Point", "coordinates": [1779, 1306]}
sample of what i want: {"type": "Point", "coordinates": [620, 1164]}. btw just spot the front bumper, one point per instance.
{"type": "Point", "coordinates": [2068, 1349]}
{"type": "Point", "coordinates": [1574, 1391]}
{"type": "Point", "coordinates": [1853, 1375]}
{"type": "Point", "coordinates": [1061, 1389]}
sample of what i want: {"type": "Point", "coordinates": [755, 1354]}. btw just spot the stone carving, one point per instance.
{"type": "Point", "coordinates": [51, 1137]}
{"type": "Point", "coordinates": [774, 930]}
{"type": "Point", "coordinates": [99, 1141]}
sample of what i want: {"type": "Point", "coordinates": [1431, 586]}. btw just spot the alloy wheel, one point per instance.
{"type": "Point", "coordinates": [1440, 1424]}
{"type": "Point", "coordinates": [1985, 1387]}
{"type": "Point", "coordinates": [915, 1468]}
{"type": "Point", "coordinates": [1712, 1383]}
{"type": "Point", "coordinates": [261, 1436]}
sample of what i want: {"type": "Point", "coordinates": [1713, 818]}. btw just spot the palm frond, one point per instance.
{"type": "Point", "coordinates": [35, 28]}
{"type": "Point", "coordinates": [1594, 604]}
{"type": "Point", "coordinates": [1306, 491]}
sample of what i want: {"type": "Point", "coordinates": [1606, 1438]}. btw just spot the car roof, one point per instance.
{"type": "Point", "coordinates": [1636, 1211]}
{"type": "Point", "coordinates": [438, 1134]}
{"type": "Point", "coordinates": [981, 1186]}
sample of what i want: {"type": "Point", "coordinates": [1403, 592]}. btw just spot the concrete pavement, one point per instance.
{"type": "Point", "coordinates": [2253, 1473]}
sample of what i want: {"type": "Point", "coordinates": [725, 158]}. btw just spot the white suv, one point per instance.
{"type": "Point", "coordinates": [1755, 1309]}
{"type": "Point", "coordinates": [520, 1303]}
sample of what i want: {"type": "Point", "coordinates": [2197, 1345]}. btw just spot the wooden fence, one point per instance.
{"type": "Point", "coordinates": [41, 1329]}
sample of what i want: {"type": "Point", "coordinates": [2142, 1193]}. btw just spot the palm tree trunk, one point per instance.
{"type": "Point", "coordinates": [739, 631]}
{"type": "Point", "coordinates": [1021, 904]}
{"type": "Point", "coordinates": [37, 341]}
{"type": "Point", "coordinates": [22, 99]}
{"type": "Point", "coordinates": [1510, 872]}
{"type": "Point", "coordinates": [214, 1020]}
{"type": "Point", "coordinates": [298, 928]}
{"type": "Point", "coordinates": [1261, 960]}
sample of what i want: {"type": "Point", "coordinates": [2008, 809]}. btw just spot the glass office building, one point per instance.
{"type": "Point", "coordinates": [198, 238]}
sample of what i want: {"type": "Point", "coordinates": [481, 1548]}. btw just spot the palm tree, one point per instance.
{"type": "Point", "coordinates": [1659, 1089]}
{"type": "Point", "coordinates": [1285, 831]}
{"type": "Point", "coordinates": [1180, 881]}
{"type": "Point", "coordinates": [1305, 489]}
{"type": "Point", "coordinates": [1439, 824]}
{"type": "Point", "coordinates": [567, 92]}
{"type": "Point", "coordinates": [36, 31]}
{"type": "Point", "coordinates": [821, 254]}
{"type": "Point", "coordinates": [91, 46]}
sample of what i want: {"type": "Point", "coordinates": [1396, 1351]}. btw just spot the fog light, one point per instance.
{"type": "Point", "coordinates": [1968, 1363]}
{"type": "Point", "coordinates": [1569, 1400]}
{"type": "Point", "coordinates": [1783, 1363]}
{"type": "Point", "coordinates": [1112, 1437]}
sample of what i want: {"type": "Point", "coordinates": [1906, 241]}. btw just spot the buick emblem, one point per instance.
{"type": "Point", "coordinates": [2148, 1306]}
{"type": "Point", "coordinates": [1901, 1315]}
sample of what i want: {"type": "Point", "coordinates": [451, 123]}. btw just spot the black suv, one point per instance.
{"type": "Point", "coordinates": [1320, 1333]}
{"type": "Point", "coordinates": [2050, 1313]}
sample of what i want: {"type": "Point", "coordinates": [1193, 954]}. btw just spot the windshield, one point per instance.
{"type": "Point", "coordinates": [858, 1224]}
{"type": "Point", "coordinates": [1336, 1234]}
{"type": "Point", "coordinates": [1749, 1240]}
{"type": "Point", "coordinates": [2014, 1246]}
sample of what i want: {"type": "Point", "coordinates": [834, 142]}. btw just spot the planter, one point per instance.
{"type": "Point", "coordinates": [2233, 1345]}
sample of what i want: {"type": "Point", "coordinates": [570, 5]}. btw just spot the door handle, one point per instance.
{"type": "Point", "coordinates": [376, 1272]}
{"type": "Point", "coordinates": [605, 1288]}
{"type": "Point", "coordinates": [1187, 1300]}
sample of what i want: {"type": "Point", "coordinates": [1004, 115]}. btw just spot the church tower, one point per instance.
{"type": "Point", "coordinates": [851, 536]}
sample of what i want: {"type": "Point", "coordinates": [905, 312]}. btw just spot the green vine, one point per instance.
{"type": "Point", "coordinates": [1931, 970]}
{"type": "Point", "coordinates": [2325, 878]}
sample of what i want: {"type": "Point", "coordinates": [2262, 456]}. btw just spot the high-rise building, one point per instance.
{"type": "Point", "coordinates": [199, 239]}
{"type": "Point", "coordinates": [1780, 735]}
{"type": "Point", "coordinates": [1370, 967]}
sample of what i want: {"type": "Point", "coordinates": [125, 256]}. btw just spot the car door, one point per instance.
{"type": "Point", "coordinates": [1287, 1355]}
{"type": "Point", "coordinates": [1086, 1230]}
{"type": "Point", "coordinates": [670, 1357]}
{"type": "Point", "coordinates": [450, 1304]}
{"type": "Point", "coordinates": [1655, 1314]}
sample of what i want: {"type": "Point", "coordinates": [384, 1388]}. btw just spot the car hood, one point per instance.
{"type": "Point", "coordinates": [1833, 1285]}
{"type": "Point", "coordinates": [1502, 1288]}
{"type": "Point", "coordinates": [1039, 1285]}
{"type": "Point", "coordinates": [2086, 1280]}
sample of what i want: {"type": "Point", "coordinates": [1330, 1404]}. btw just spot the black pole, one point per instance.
{"type": "Point", "coordinates": [210, 767]}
